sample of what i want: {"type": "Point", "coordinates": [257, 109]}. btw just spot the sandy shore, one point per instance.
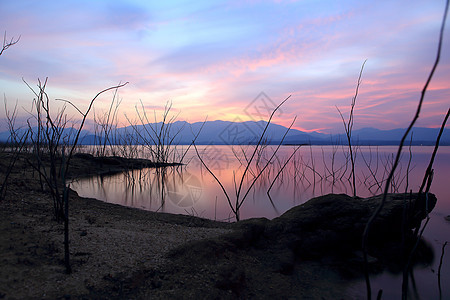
{"type": "Point", "coordinates": [119, 252]}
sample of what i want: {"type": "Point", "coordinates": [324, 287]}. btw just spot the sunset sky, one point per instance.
{"type": "Point", "coordinates": [214, 58]}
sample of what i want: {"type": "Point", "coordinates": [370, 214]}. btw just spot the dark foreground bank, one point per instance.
{"type": "Point", "coordinates": [310, 252]}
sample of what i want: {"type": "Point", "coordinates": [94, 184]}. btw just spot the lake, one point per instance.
{"type": "Point", "coordinates": [311, 171]}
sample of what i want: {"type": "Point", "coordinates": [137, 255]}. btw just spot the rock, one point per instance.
{"type": "Point", "coordinates": [325, 229]}
{"type": "Point", "coordinates": [231, 278]}
{"type": "Point", "coordinates": [335, 223]}
{"type": "Point", "coordinates": [285, 262]}
{"type": "Point", "coordinates": [447, 218]}
{"type": "Point", "coordinates": [252, 229]}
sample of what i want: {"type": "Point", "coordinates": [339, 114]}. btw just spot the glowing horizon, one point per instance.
{"type": "Point", "coordinates": [214, 59]}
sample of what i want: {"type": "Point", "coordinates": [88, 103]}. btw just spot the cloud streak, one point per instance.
{"type": "Point", "coordinates": [215, 58]}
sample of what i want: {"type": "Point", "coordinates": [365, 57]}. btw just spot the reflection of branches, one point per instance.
{"type": "Point", "coordinates": [397, 158]}
{"type": "Point", "coordinates": [430, 165]}
{"type": "Point", "coordinates": [265, 166]}
{"type": "Point", "coordinates": [241, 194]}
{"type": "Point", "coordinates": [313, 166]}
{"type": "Point", "coordinates": [281, 170]}
{"type": "Point", "coordinates": [373, 172]}
{"type": "Point", "coordinates": [408, 168]}
{"type": "Point", "coordinates": [426, 184]}
{"type": "Point", "coordinates": [159, 137]}
{"type": "Point", "coordinates": [331, 171]}
{"type": "Point", "coordinates": [439, 269]}
{"type": "Point", "coordinates": [238, 156]}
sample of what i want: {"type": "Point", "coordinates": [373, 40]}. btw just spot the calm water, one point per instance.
{"type": "Point", "coordinates": [312, 171]}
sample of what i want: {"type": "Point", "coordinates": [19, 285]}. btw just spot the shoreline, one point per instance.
{"type": "Point", "coordinates": [123, 252]}
{"type": "Point", "coordinates": [118, 252]}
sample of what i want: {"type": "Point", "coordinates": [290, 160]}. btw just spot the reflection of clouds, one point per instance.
{"type": "Point", "coordinates": [215, 158]}
{"type": "Point", "coordinates": [184, 190]}
{"type": "Point", "coordinates": [297, 183]}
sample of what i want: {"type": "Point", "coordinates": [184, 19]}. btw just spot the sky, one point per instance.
{"type": "Point", "coordinates": [230, 60]}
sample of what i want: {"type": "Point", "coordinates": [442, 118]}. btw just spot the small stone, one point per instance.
{"type": "Point", "coordinates": [447, 218]}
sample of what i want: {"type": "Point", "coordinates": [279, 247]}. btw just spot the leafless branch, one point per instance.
{"type": "Point", "coordinates": [8, 43]}
{"type": "Point", "coordinates": [399, 151]}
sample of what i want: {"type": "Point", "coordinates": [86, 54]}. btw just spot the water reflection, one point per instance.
{"type": "Point", "coordinates": [148, 189]}
{"type": "Point", "coordinates": [311, 172]}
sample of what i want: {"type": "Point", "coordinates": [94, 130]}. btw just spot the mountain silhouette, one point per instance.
{"type": "Point", "coordinates": [249, 132]}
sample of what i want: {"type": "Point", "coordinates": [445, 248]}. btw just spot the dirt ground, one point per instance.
{"type": "Point", "coordinates": [118, 252]}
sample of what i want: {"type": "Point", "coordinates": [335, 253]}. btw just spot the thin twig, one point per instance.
{"type": "Point", "coordinates": [391, 174]}
{"type": "Point", "coordinates": [439, 269]}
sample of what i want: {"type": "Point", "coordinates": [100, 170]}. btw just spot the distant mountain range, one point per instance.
{"type": "Point", "coordinates": [225, 132]}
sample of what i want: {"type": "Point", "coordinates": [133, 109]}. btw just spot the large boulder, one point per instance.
{"type": "Point", "coordinates": [335, 223]}
{"type": "Point", "coordinates": [325, 229]}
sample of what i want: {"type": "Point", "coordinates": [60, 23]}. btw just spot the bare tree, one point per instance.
{"type": "Point", "coordinates": [53, 140]}
{"type": "Point", "coordinates": [399, 152]}
{"type": "Point", "coordinates": [160, 137]}
{"type": "Point", "coordinates": [16, 142]}
{"type": "Point", "coordinates": [348, 126]}
{"type": "Point", "coordinates": [240, 191]}
{"type": "Point", "coordinates": [8, 43]}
